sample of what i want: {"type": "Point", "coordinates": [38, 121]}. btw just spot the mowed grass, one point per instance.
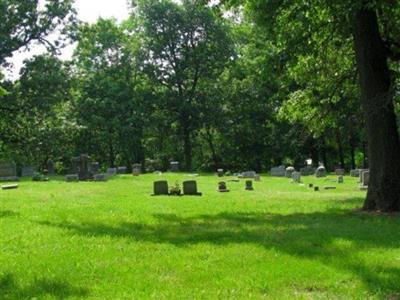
{"type": "Point", "coordinates": [113, 240]}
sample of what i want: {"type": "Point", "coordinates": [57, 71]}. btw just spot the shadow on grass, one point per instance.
{"type": "Point", "coordinates": [337, 238]}
{"type": "Point", "coordinates": [8, 214]}
{"type": "Point", "coordinates": [10, 289]}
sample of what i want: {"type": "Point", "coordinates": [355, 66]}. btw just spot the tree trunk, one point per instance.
{"type": "Point", "coordinates": [352, 153]}
{"type": "Point", "coordinates": [209, 139]}
{"type": "Point", "coordinates": [340, 149]}
{"type": "Point", "coordinates": [377, 102]}
{"type": "Point", "coordinates": [187, 148]}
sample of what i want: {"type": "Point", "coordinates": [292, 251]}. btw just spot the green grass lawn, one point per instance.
{"type": "Point", "coordinates": [113, 240]}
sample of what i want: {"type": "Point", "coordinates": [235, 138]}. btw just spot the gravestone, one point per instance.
{"type": "Point", "coordinates": [257, 178]}
{"type": "Point", "coordinates": [365, 180]}
{"type": "Point", "coordinates": [121, 170]}
{"type": "Point", "coordinates": [100, 177]}
{"type": "Point", "coordinates": [94, 167]}
{"type": "Point", "coordinates": [220, 172]}
{"type": "Point", "coordinates": [71, 177]}
{"type": "Point", "coordinates": [8, 171]}
{"type": "Point", "coordinates": [174, 166]}
{"type": "Point", "coordinates": [74, 168]}
{"type": "Point", "coordinates": [190, 188]}
{"type": "Point", "coordinates": [289, 172]}
{"type": "Point", "coordinates": [249, 185]}
{"type": "Point", "coordinates": [340, 179]}
{"type": "Point", "coordinates": [330, 188]}
{"type": "Point", "coordinates": [360, 177]}
{"type": "Point", "coordinates": [320, 172]}
{"type": "Point", "coordinates": [50, 167]}
{"type": "Point", "coordinates": [354, 173]}
{"type": "Point", "coordinates": [278, 171]}
{"type": "Point", "coordinates": [9, 187]}
{"type": "Point", "coordinates": [296, 177]}
{"type": "Point", "coordinates": [112, 171]}
{"type": "Point", "coordinates": [249, 174]}
{"type": "Point", "coordinates": [316, 188]}
{"type": "Point", "coordinates": [28, 171]}
{"type": "Point", "coordinates": [222, 187]}
{"type": "Point", "coordinates": [307, 171]}
{"type": "Point", "coordinates": [136, 169]}
{"type": "Point", "coordinates": [340, 172]}
{"type": "Point", "coordinates": [84, 172]}
{"type": "Point", "coordinates": [160, 188]}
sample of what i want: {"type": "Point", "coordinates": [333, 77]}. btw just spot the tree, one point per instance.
{"type": "Point", "coordinates": [183, 46]}
{"type": "Point", "coordinates": [37, 125]}
{"type": "Point", "coordinates": [23, 22]}
{"type": "Point", "coordinates": [299, 27]}
{"type": "Point", "coordinates": [110, 94]}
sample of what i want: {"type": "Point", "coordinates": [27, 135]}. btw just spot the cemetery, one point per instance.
{"type": "Point", "coordinates": [214, 149]}
{"type": "Point", "coordinates": [120, 223]}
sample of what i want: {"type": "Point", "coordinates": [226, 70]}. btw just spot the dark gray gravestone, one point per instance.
{"type": "Point", "coordinates": [136, 169]}
{"type": "Point", "coordinates": [74, 169]}
{"type": "Point", "coordinates": [111, 171]}
{"type": "Point", "coordinates": [222, 187]}
{"type": "Point", "coordinates": [296, 177]}
{"type": "Point", "coordinates": [50, 167]}
{"type": "Point", "coordinates": [160, 188]}
{"type": "Point", "coordinates": [100, 177]}
{"type": "Point", "coordinates": [220, 172]}
{"type": "Point", "coordinates": [190, 188]}
{"type": "Point", "coordinates": [94, 167]}
{"type": "Point", "coordinates": [72, 177]}
{"type": "Point", "coordinates": [278, 171]}
{"type": "Point", "coordinates": [8, 171]}
{"type": "Point", "coordinates": [355, 173]}
{"type": "Point", "coordinates": [174, 166]}
{"type": "Point", "coordinates": [28, 171]}
{"type": "Point", "coordinates": [84, 172]}
{"type": "Point", "coordinates": [249, 185]}
{"type": "Point", "coordinates": [307, 171]}
{"type": "Point", "coordinates": [121, 170]}
{"type": "Point", "coordinates": [340, 179]}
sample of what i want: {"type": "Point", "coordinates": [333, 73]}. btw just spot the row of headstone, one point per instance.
{"type": "Point", "coordinates": [189, 188]}
{"type": "Point", "coordinates": [357, 172]}
{"type": "Point", "coordinates": [222, 187]}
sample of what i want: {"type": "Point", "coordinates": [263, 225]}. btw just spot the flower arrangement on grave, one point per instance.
{"type": "Point", "coordinates": [175, 189]}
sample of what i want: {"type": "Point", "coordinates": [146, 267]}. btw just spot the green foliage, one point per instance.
{"type": "Point", "coordinates": [24, 21]}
